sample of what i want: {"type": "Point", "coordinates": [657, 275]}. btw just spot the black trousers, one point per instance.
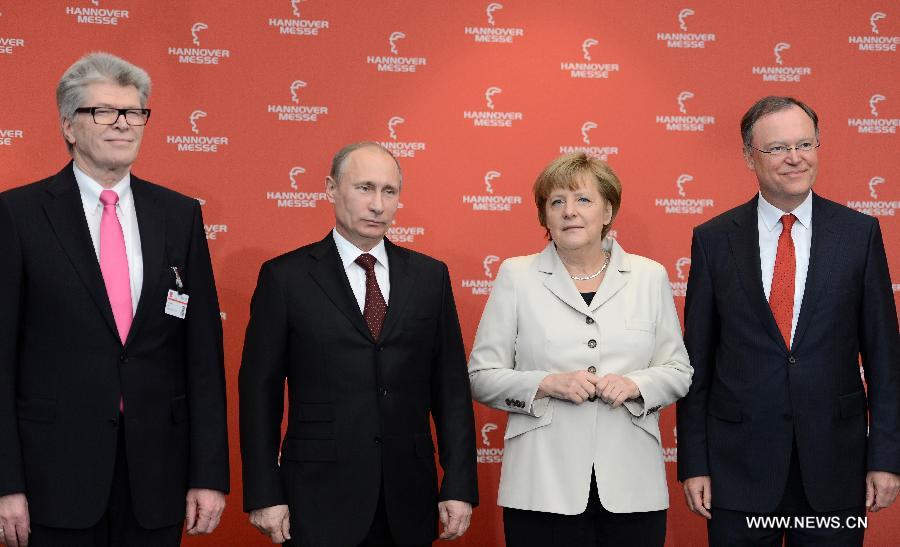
{"type": "Point", "coordinates": [798, 524]}
{"type": "Point", "coordinates": [595, 527]}
{"type": "Point", "coordinates": [118, 527]}
{"type": "Point", "coordinates": [379, 534]}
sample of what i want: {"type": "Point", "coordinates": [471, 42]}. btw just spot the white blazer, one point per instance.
{"type": "Point", "coordinates": [536, 323]}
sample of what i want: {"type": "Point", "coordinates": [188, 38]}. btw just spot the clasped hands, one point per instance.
{"type": "Point", "coordinates": [581, 385]}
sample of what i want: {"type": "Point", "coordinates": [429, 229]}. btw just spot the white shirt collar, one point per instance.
{"type": "Point", "coordinates": [350, 252]}
{"type": "Point", "coordinates": [771, 215]}
{"type": "Point", "coordinates": [90, 189]}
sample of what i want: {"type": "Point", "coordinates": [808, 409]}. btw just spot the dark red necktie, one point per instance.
{"type": "Point", "coordinates": [375, 307]}
{"type": "Point", "coordinates": [781, 295]}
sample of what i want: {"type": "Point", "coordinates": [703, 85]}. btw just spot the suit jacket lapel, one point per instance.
{"type": "Point", "coordinates": [825, 242]}
{"type": "Point", "coordinates": [65, 211]}
{"type": "Point", "coordinates": [613, 281]}
{"type": "Point", "coordinates": [331, 277]}
{"type": "Point", "coordinates": [403, 279]}
{"type": "Point", "coordinates": [558, 281]}
{"type": "Point", "coordinates": [744, 241]}
{"type": "Point", "coordinates": [152, 230]}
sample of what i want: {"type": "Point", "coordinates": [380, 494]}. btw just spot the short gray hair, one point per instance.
{"type": "Point", "coordinates": [93, 68]}
{"type": "Point", "coordinates": [337, 162]}
{"type": "Point", "coordinates": [770, 105]}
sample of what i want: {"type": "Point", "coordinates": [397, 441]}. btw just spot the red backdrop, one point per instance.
{"type": "Point", "coordinates": [252, 98]}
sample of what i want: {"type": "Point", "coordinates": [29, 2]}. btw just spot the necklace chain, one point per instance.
{"type": "Point", "coordinates": [595, 274]}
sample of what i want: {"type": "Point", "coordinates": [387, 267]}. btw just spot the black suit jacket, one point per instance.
{"type": "Point", "coordinates": [359, 407]}
{"type": "Point", "coordinates": [63, 366]}
{"type": "Point", "coordinates": [752, 396]}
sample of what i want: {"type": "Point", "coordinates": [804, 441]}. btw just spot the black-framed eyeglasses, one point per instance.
{"type": "Point", "coordinates": [104, 115]}
{"type": "Point", "coordinates": [781, 150]}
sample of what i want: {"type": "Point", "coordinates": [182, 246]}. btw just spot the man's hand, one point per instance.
{"type": "Point", "coordinates": [615, 390]}
{"type": "Point", "coordinates": [274, 522]}
{"type": "Point", "coordinates": [14, 520]}
{"type": "Point", "coordinates": [203, 510]}
{"type": "Point", "coordinates": [881, 489]}
{"type": "Point", "coordinates": [572, 386]}
{"type": "Point", "coordinates": [698, 495]}
{"type": "Point", "coordinates": [455, 518]}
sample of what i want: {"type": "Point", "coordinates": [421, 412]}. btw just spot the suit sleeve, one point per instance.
{"type": "Point", "coordinates": [880, 351]}
{"type": "Point", "coordinates": [205, 368]}
{"type": "Point", "coordinates": [452, 405]}
{"type": "Point", "coordinates": [668, 376]}
{"type": "Point", "coordinates": [12, 473]}
{"type": "Point", "coordinates": [701, 337]}
{"type": "Point", "coordinates": [492, 365]}
{"type": "Point", "coordinates": [261, 389]}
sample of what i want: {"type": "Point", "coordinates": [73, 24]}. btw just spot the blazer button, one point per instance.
{"type": "Point", "coordinates": [123, 358]}
{"type": "Point", "coordinates": [592, 343]}
{"type": "Point", "coordinates": [377, 439]}
{"type": "Point", "coordinates": [383, 392]}
{"type": "Point", "coordinates": [589, 320]}
{"type": "Point", "coordinates": [792, 359]}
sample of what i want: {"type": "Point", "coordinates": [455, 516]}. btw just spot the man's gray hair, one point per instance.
{"type": "Point", "coordinates": [93, 68]}
{"type": "Point", "coordinates": [337, 162]}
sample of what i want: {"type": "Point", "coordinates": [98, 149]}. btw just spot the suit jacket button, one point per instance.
{"type": "Point", "coordinates": [383, 392]}
{"type": "Point", "coordinates": [377, 439]}
{"type": "Point", "coordinates": [589, 320]}
{"type": "Point", "coordinates": [123, 358]}
{"type": "Point", "coordinates": [592, 343]}
{"type": "Point", "coordinates": [792, 359]}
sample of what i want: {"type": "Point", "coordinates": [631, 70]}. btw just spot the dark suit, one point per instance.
{"type": "Point", "coordinates": [359, 407]}
{"type": "Point", "coordinates": [63, 367]}
{"type": "Point", "coordinates": [753, 399]}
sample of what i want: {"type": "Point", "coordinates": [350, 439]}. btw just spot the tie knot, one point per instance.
{"type": "Point", "coordinates": [108, 197]}
{"type": "Point", "coordinates": [367, 261]}
{"type": "Point", "coordinates": [788, 221]}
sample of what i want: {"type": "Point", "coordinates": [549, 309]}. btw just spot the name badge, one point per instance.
{"type": "Point", "coordinates": [176, 304]}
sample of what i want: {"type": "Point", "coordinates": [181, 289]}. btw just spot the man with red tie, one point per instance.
{"type": "Point", "coordinates": [112, 389]}
{"type": "Point", "coordinates": [786, 292]}
{"type": "Point", "coordinates": [367, 336]}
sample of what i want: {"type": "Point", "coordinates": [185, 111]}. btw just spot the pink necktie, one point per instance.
{"type": "Point", "coordinates": [114, 263]}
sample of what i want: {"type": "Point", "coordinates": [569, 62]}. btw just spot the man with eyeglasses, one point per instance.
{"type": "Point", "coordinates": [785, 294]}
{"type": "Point", "coordinates": [112, 389]}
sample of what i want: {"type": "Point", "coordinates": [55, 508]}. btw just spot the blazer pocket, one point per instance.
{"type": "Point", "coordinates": [309, 450]}
{"type": "Point", "coordinates": [725, 410]}
{"type": "Point", "coordinates": [650, 424]}
{"type": "Point", "coordinates": [36, 409]}
{"type": "Point", "coordinates": [637, 324]}
{"type": "Point", "coordinates": [852, 404]}
{"type": "Point", "coordinates": [179, 409]}
{"type": "Point", "coordinates": [517, 424]}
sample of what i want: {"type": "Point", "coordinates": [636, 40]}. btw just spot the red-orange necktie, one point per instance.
{"type": "Point", "coordinates": [375, 307]}
{"type": "Point", "coordinates": [781, 295]}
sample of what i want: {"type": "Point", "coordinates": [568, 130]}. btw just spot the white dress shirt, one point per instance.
{"type": "Point", "coordinates": [769, 227]}
{"type": "Point", "coordinates": [356, 274]}
{"type": "Point", "coordinates": [93, 211]}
